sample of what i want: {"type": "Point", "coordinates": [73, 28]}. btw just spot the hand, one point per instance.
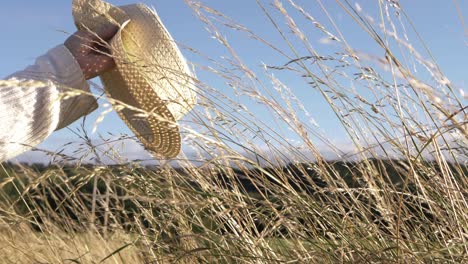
{"type": "Point", "coordinates": [91, 50]}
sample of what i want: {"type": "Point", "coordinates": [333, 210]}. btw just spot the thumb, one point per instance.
{"type": "Point", "coordinates": [106, 32]}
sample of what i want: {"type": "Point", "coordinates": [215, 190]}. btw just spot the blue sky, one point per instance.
{"type": "Point", "coordinates": [29, 28]}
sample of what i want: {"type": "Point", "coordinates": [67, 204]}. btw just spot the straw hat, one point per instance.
{"type": "Point", "coordinates": [151, 75]}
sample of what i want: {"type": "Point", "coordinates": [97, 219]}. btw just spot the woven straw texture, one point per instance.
{"type": "Point", "coordinates": [151, 76]}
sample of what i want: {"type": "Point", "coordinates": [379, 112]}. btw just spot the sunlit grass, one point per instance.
{"type": "Point", "coordinates": [257, 183]}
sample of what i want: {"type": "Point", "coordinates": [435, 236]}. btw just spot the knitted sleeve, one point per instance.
{"type": "Point", "coordinates": [46, 96]}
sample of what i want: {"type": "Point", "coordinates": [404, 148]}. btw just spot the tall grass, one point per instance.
{"type": "Point", "coordinates": [260, 181]}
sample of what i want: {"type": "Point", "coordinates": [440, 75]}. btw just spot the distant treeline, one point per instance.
{"type": "Point", "coordinates": [302, 175]}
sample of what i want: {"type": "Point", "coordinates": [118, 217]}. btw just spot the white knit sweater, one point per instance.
{"type": "Point", "coordinates": [46, 96]}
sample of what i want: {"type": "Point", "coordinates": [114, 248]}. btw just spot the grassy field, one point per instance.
{"type": "Point", "coordinates": [269, 215]}
{"type": "Point", "coordinates": [260, 181]}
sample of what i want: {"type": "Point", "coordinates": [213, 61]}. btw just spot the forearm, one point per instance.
{"type": "Point", "coordinates": [65, 77]}
{"type": "Point", "coordinates": [31, 112]}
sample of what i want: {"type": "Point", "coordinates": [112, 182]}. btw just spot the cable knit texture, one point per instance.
{"type": "Point", "coordinates": [46, 96]}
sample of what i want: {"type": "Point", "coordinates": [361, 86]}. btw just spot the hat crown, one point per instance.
{"type": "Point", "coordinates": [153, 50]}
{"type": "Point", "coordinates": [94, 14]}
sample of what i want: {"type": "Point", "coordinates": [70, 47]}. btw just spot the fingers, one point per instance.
{"type": "Point", "coordinates": [104, 62]}
{"type": "Point", "coordinates": [99, 40]}
{"type": "Point", "coordinates": [107, 32]}
{"type": "Point", "coordinates": [91, 50]}
{"type": "Point", "coordinates": [94, 43]}
{"type": "Point", "coordinates": [96, 65]}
